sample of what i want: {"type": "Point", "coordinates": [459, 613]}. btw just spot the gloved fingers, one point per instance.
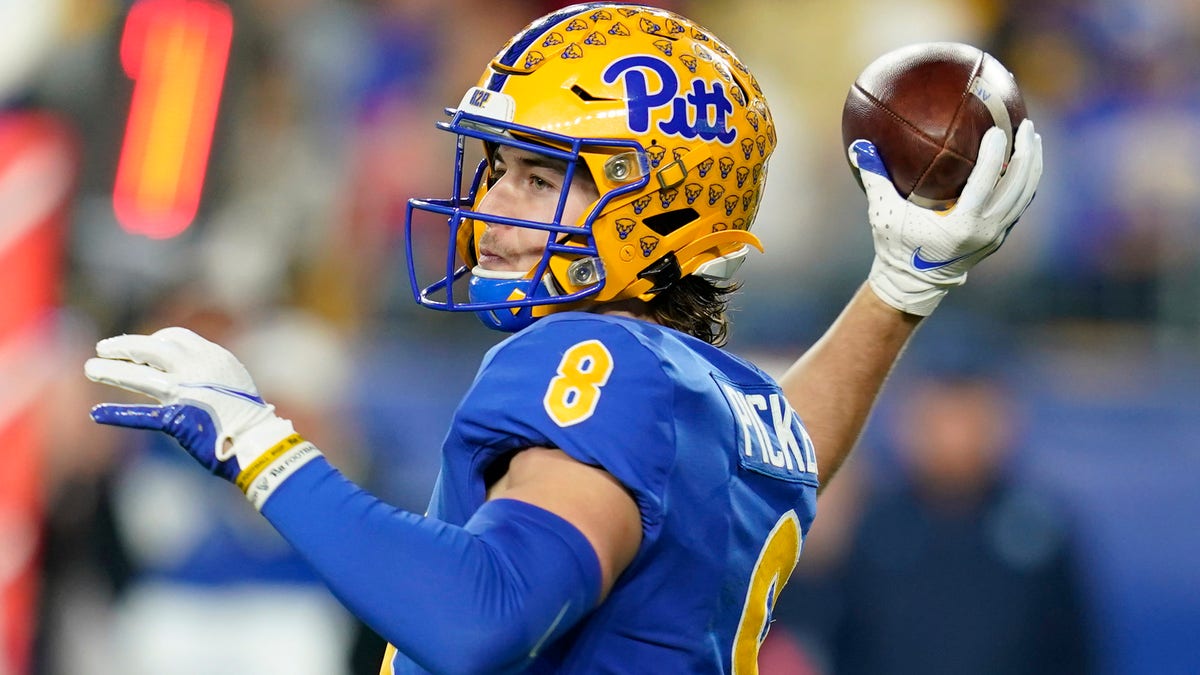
{"type": "Point", "coordinates": [1016, 178]}
{"type": "Point", "coordinates": [1028, 141]}
{"type": "Point", "coordinates": [135, 377]}
{"type": "Point", "coordinates": [1031, 181]}
{"type": "Point", "coordinates": [988, 165]}
{"type": "Point", "coordinates": [151, 350]}
{"type": "Point", "coordinates": [186, 341]}
{"type": "Point", "coordinates": [131, 416]}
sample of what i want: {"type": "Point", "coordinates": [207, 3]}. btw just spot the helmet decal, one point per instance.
{"type": "Point", "coordinates": [737, 94]}
{"type": "Point", "coordinates": [649, 26]}
{"type": "Point", "coordinates": [666, 197]}
{"type": "Point", "coordinates": [699, 113]}
{"type": "Point", "coordinates": [656, 153]}
{"type": "Point", "coordinates": [534, 59]}
{"type": "Point", "coordinates": [714, 193]}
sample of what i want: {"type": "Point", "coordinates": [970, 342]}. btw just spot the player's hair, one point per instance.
{"type": "Point", "coordinates": [696, 306]}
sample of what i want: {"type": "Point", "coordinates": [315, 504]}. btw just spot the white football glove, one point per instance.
{"type": "Point", "coordinates": [207, 401]}
{"type": "Point", "coordinates": [920, 254]}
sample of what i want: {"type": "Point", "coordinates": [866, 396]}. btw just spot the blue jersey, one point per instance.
{"type": "Point", "coordinates": [721, 468]}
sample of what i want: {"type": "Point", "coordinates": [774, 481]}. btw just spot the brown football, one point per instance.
{"type": "Point", "coordinates": [926, 107]}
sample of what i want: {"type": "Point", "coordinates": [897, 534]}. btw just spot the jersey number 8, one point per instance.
{"type": "Point", "coordinates": [574, 393]}
{"type": "Point", "coordinates": [775, 563]}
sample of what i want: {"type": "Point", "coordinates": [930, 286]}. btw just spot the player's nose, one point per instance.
{"type": "Point", "coordinates": [500, 200]}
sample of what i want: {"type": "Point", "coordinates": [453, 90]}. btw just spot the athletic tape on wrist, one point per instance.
{"type": "Point", "coordinates": [259, 480]}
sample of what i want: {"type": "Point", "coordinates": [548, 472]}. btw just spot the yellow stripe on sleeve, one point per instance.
{"type": "Point", "coordinates": [389, 655]}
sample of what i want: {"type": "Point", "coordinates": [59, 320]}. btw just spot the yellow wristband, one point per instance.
{"type": "Point", "coordinates": [259, 480]}
{"type": "Point", "coordinates": [264, 460]}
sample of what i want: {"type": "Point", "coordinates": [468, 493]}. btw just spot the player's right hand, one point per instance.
{"type": "Point", "coordinates": [206, 401]}
{"type": "Point", "coordinates": [919, 253]}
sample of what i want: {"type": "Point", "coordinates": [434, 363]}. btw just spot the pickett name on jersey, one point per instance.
{"type": "Point", "coordinates": [771, 439]}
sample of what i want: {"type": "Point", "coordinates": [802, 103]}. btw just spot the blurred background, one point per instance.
{"type": "Point", "coordinates": [1023, 500]}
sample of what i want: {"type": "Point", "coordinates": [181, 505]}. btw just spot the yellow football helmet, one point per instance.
{"type": "Point", "coordinates": [670, 125]}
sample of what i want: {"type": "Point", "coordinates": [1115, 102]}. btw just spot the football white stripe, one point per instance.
{"type": "Point", "coordinates": [986, 93]}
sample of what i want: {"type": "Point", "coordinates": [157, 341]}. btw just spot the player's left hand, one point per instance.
{"type": "Point", "coordinates": [920, 253]}
{"type": "Point", "coordinates": [207, 400]}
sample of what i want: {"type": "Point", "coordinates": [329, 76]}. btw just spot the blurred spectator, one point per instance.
{"type": "Point", "coordinates": [1113, 87]}
{"type": "Point", "coordinates": [958, 567]}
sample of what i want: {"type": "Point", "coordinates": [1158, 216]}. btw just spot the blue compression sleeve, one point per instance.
{"type": "Point", "coordinates": [486, 596]}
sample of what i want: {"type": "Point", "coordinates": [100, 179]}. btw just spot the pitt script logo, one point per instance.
{"type": "Point", "coordinates": [701, 112]}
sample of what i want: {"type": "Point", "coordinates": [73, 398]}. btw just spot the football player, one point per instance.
{"type": "Point", "coordinates": [617, 493]}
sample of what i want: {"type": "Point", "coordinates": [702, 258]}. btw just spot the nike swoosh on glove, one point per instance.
{"type": "Point", "coordinates": [920, 254]}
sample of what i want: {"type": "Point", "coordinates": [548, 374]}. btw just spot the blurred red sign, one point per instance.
{"type": "Point", "coordinates": [176, 52]}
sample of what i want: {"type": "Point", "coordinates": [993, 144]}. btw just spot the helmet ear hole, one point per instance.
{"type": "Point", "coordinates": [666, 223]}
